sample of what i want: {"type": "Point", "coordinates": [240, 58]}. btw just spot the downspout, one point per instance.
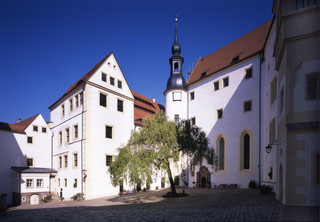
{"type": "Point", "coordinates": [260, 60]}
{"type": "Point", "coordinates": [81, 173]}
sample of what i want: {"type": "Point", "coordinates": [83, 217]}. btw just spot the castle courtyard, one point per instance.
{"type": "Point", "coordinates": [199, 205]}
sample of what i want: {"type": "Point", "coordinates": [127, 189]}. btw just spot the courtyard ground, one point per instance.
{"type": "Point", "coordinates": [199, 205]}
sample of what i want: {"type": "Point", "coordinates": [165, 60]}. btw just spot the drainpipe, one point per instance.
{"type": "Point", "coordinates": [81, 172]}
{"type": "Point", "coordinates": [260, 60]}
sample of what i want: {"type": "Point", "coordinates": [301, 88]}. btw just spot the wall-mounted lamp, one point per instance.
{"type": "Point", "coordinates": [269, 147]}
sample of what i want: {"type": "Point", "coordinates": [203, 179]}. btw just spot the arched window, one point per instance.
{"type": "Point", "coordinates": [221, 154]}
{"type": "Point", "coordinates": [176, 66]}
{"type": "Point", "coordinates": [246, 152]}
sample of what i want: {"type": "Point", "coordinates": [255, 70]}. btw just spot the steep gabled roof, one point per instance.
{"type": "Point", "coordinates": [144, 107]}
{"type": "Point", "coordinates": [240, 49]}
{"type": "Point", "coordinates": [83, 79]}
{"type": "Point", "coordinates": [19, 127]}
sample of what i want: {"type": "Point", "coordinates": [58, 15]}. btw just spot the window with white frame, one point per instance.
{"type": "Point", "coordinates": [39, 183]}
{"type": "Point", "coordinates": [219, 113]}
{"type": "Point", "coordinates": [29, 162]}
{"type": "Point", "coordinates": [225, 82]}
{"type": "Point", "coordinates": [176, 117]}
{"type": "Point", "coordinates": [75, 159]}
{"type": "Point", "coordinates": [75, 132]}
{"type": "Point", "coordinates": [76, 98]}
{"type": "Point", "coordinates": [221, 153]}
{"type": "Point", "coordinates": [65, 161]}
{"type": "Point", "coordinates": [67, 132]}
{"type": "Point", "coordinates": [70, 104]}
{"type": "Point", "coordinates": [216, 86]}
{"type": "Point", "coordinates": [104, 77]}
{"type": "Point", "coordinates": [44, 129]}
{"type": "Point", "coordinates": [35, 128]}
{"type": "Point", "coordinates": [81, 98]}
{"type": "Point", "coordinates": [29, 183]}
{"type": "Point", "coordinates": [119, 84]}
{"type": "Point", "coordinates": [103, 100]}
{"type": "Point", "coordinates": [111, 81]}
{"type": "Point", "coordinates": [176, 96]}
{"type": "Point", "coordinates": [120, 105]}
{"type": "Point", "coordinates": [60, 162]}
{"type": "Point", "coordinates": [62, 110]}
{"type": "Point", "coordinates": [60, 138]}
{"type": "Point", "coordinates": [109, 132]}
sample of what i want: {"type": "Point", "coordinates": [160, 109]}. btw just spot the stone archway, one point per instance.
{"type": "Point", "coordinates": [203, 178]}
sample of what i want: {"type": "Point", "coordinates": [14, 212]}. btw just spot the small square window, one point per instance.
{"type": "Point", "coordinates": [44, 129]}
{"type": "Point", "coordinates": [29, 183]}
{"type": "Point", "coordinates": [248, 74]}
{"type": "Point", "coordinates": [192, 96]}
{"type": "Point", "coordinates": [247, 106]}
{"type": "Point", "coordinates": [103, 100]}
{"type": "Point", "coordinates": [226, 82]}
{"type": "Point", "coordinates": [176, 118]}
{"type": "Point", "coordinates": [216, 86]}
{"type": "Point", "coordinates": [104, 77]}
{"type": "Point", "coordinates": [109, 132]}
{"type": "Point", "coordinates": [29, 139]}
{"type": "Point", "coordinates": [119, 84]}
{"type": "Point", "coordinates": [193, 121]}
{"type": "Point", "coordinates": [112, 81]}
{"type": "Point", "coordinates": [108, 160]}
{"type": "Point", "coordinates": [29, 162]}
{"type": "Point", "coordinates": [35, 128]}
{"type": "Point", "coordinates": [219, 113]}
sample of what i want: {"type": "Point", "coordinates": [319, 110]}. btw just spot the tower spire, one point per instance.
{"type": "Point", "coordinates": [176, 48]}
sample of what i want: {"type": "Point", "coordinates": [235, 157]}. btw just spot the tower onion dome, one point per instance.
{"type": "Point", "coordinates": [176, 48]}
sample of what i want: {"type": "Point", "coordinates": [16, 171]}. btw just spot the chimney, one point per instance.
{"type": "Point", "coordinates": [154, 100]}
{"type": "Point", "coordinates": [19, 120]}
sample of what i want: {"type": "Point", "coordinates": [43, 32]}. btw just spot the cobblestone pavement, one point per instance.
{"type": "Point", "coordinates": [199, 205]}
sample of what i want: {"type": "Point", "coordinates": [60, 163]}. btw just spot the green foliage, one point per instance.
{"type": "Point", "coordinates": [78, 196]}
{"type": "Point", "coordinates": [46, 199]}
{"type": "Point", "coordinates": [252, 184]}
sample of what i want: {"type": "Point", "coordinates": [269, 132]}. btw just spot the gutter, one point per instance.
{"type": "Point", "coordinates": [259, 166]}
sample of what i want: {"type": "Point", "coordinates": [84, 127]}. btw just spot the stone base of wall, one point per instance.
{"type": "Point", "coordinates": [24, 198]}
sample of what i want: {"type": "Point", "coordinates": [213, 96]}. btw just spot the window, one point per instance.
{"type": "Point", "coordinates": [109, 132]}
{"type": "Point", "coordinates": [176, 117]}
{"type": "Point", "coordinates": [226, 82]}
{"type": "Point", "coordinates": [29, 183]}
{"type": "Point", "coordinates": [272, 131]}
{"type": "Point", "coordinates": [281, 102]}
{"type": "Point", "coordinates": [65, 161]}
{"type": "Point", "coordinates": [119, 84]}
{"type": "Point", "coordinates": [103, 100]}
{"type": "Point", "coordinates": [67, 135]}
{"type": "Point", "coordinates": [247, 106]}
{"type": "Point", "coordinates": [221, 154]}
{"type": "Point", "coordinates": [60, 138]}
{"type": "Point", "coordinates": [75, 183]}
{"type": "Point", "coordinates": [177, 96]}
{"type": "Point", "coordinates": [39, 182]}
{"type": "Point", "coordinates": [76, 98]}
{"type": "Point", "coordinates": [204, 74]}
{"type": "Point", "coordinates": [71, 104]}
{"type": "Point", "coordinates": [176, 66]}
{"type": "Point", "coordinates": [235, 59]}
{"type": "Point", "coordinates": [192, 96]}
{"type": "Point", "coordinates": [35, 128]}
{"type": "Point", "coordinates": [111, 80]}
{"type": "Point", "coordinates": [103, 77]}
{"type": "Point", "coordinates": [75, 132]}
{"type": "Point", "coordinates": [193, 121]}
{"type": "Point", "coordinates": [75, 159]}
{"type": "Point", "coordinates": [312, 81]}
{"type": "Point", "coordinates": [248, 73]}
{"type": "Point", "coordinates": [29, 139]}
{"type": "Point", "coordinates": [219, 113]}
{"type": "Point", "coordinates": [216, 86]}
{"type": "Point", "coordinates": [58, 182]}
{"type": "Point", "coordinates": [273, 90]}
{"type": "Point", "coordinates": [120, 105]}
{"type": "Point", "coordinates": [60, 161]}
{"type": "Point", "coordinates": [108, 160]}
{"type": "Point", "coordinates": [44, 129]}
{"type": "Point", "coordinates": [65, 182]}
{"type": "Point", "coordinates": [62, 110]}
{"type": "Point", "coordinates": [29, 162]}
{"type": "Point", "coordinates": [245, 152]}
{"type": "Point", "coordinates": [305, 3]}
{"type": "Point", "coordinates": [81, 98]}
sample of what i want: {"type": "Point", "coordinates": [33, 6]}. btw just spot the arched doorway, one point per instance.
{"type": "Point", "coordinates": [34, 199]}
{"type": "Point", "coordinates": [203, 178]}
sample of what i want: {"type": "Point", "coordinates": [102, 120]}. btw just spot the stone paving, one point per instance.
{"type": "Point", "coordinates": [199, 205]}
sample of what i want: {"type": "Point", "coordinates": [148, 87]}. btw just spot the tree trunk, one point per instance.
{"type": "Point", "coordinates": [172, 185]}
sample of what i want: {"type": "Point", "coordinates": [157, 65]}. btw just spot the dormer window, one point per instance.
{"type": "Point", "coordinates": [235, 59]}
{"type": "Point", "coordinates": [204, 74]}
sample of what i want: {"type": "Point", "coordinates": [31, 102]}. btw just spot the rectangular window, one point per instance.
{"type": "Point", "coordinates": [281, 102]}
{"type": "Point", "coordinates": [109, 132]}
{"type": "Point", "coordinates": [75, 183]}
{"type": "Point", "coordinates": [216, 86]}
{"type": "Point", "coordinates": [273, 90]}
{"type": "Point", "coordinates": [104, 77]}
{"type": "Point", "coordinates": [108, 160]}
{"type": "Point", "coordinates": [247, 106]}
{"type": "Point", "coordinates": [44, 129]}
{"type": "Point", "coordinates": [111, 80]}
{"type": "Point", "coordinates": [75, 132]}
{"type": "Point", "coordinates": [60, 161]}
{"type": "Point", "coordinates": [272, 132]}
{"type": "Point", "coordinates": [65, 161]}
{"type": "Point", "coordinates": [119, 84]}
{"type": "Point", "coordinates": [226, 82]}
{"type": "Point", "coordinates": [76, 98]}
{"type": "Point", "coordinates": [29, 162]}
{"type": "Point", "coordinates": [67, 135]}
{"type": "Point", "coordinates": [60, 138]}
{"type": "Point", "coordinates": [120, 105]}
{"type": "Point", "coordinates": [29, 183]}
{"type": "Point", "coordinates": [177, 96]}
{"type": "Point", "coordinates": [58, 182]}
{"type": "Point", "coordinates": [248, 73]}
{"type": "Point", "coordinates": [103, 100]}
{"type": "Point", "coordinates": [192, 96]}
{"type": "Point", "coordinates": [62, 110]}
{"type": "Point", "coordinates": [29, 139]}
{"type": "Point", "coordinates": [35, 128]}
{"type": "Point", "coordinates": [193, 121]}
{"type": "Point", "coordinates": [65, 182]}
{"type": "Point", "coordinates": [81, 98]}
{"type": "Point", "coordinates": [39, 182]}
{"type": "Point", "coordinates": [70, 104]}
{"type": "Point", "coordinates": [219, 113]}
{"type": "Point", "coordinates": [176, 118]}
{"type": "Point", "coordinates": [75, 159]}
{"type": "Point", "coordinates": [312, 81]}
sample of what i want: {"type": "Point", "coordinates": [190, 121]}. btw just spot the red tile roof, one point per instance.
{"type": "Point", "coordinates": [144, 107]}
{"type": "Point", "coordinates": [244, 47]}
{"type": "Point", "coordinates": [19, 127]}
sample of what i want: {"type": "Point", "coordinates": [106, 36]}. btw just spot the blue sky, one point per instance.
{"type": "Point", "coordinates": [47, 45]}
